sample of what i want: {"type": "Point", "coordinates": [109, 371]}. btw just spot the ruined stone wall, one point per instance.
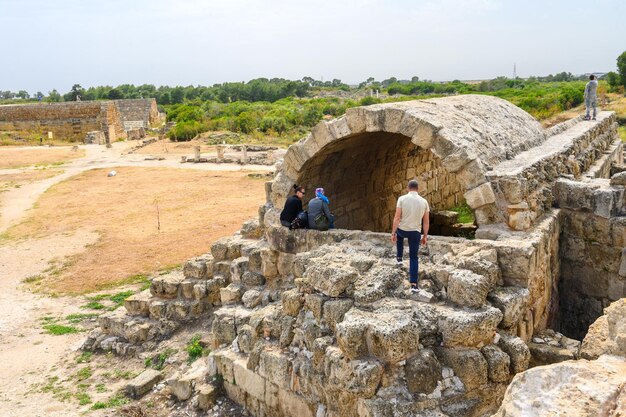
{"type": "Point", "coordinates": [71, 121]}
{"type": "Point", "coordinates": [593, 255]}
{"type": "Point", "coordinates": [364, 180]}
{"type": "Point", "coordinates": [138, 113]}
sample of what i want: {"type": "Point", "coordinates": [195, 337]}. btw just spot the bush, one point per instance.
{"type": "Point", "coordinates": [185, 131]}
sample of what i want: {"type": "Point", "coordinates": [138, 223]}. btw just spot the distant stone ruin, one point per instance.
{"type": "Point", "coordinates": [74, 120]}
{"type": "Point", "coordinates": [321, 324]}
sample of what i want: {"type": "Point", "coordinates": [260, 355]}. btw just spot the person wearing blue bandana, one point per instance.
{"type": "Point", "coordinates": [320, 217]}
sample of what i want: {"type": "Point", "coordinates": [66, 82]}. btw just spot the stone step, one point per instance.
{"type": "Point", "coordinates": [167, 286]}
{"type": "Point", "coordinates": [138, 304]}
{"type": "Point", "coordinates": [134, 329]}
{"type": "Point", "coordinates": [200, 267]}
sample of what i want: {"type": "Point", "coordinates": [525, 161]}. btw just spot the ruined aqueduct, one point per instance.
{"type": "Point", "coordinates": [313, 323]}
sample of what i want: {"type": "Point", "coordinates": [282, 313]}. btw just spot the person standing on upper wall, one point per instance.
{"type": "Point", "coordinates": [412, 222]}
{"type": "Point", "coordinates": [591, 96]}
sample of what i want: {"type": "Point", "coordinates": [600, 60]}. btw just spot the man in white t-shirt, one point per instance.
{"type": "Point", "coordinates": [411, 213]}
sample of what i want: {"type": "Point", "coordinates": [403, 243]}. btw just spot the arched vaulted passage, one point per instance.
{"type": "Point", "coordinates": [365, 158]}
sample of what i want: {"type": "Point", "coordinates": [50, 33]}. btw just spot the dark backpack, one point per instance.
{"type": "Point", "coordinates": [301, 221]}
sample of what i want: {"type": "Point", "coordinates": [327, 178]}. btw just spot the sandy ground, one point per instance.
{"type": "Point", "coordinates": [27, 353]}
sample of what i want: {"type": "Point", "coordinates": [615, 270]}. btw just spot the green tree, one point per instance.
{"type": "Point", "coordinates": [613, 80]}
{"type": "Point", "coordinates": [54, 96]}
{"type": "Point", "coordinates": [621, 68]}
{"type": "Point", "coordinates": [23, 94]}
{"type": "Point", "coordinates": [76, 93]}
{"type": "Point", "coordinates": [115, 94]}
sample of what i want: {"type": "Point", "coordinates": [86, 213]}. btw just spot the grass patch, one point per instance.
{"type": "Point", "coordinates": [60, 329]}
{"type": "Point", "coordinates": [78, 317]}
{"type": "Point", "coordinates": [94, 305]}
{"type": "Point", "coordinates": [158, 361]}
{"type": "Point", "coordinates": [84, 373]}
{"type": "Point", "coordinates": [119, 374]}
{"type": "Point", "coordinates": [118, 299]}
{"type": "Point", "coordinates": [195, 349]}
{"type": "Point", "coordinates": [84, 357]}
{"type": "Point", "coordinates": [466, 215]}
{"type": "Point", "coordinates": [83, 398]}
{"type": "Point", "coordinates": [622, 133]}
{"type": "Point", "coordinates": [115, 401]}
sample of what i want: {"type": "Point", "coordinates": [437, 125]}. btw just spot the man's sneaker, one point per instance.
{"type": "Point", "coordinates": [414, 290]}
{"type": "Point", "coordinates": [399, 263]}
{"type": "Point", "coordinates": [593, 118]}
{"type": "Point", "coordinates": [586, 118]}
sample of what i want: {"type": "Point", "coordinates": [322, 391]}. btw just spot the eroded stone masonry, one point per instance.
{"type": "Point", "coordinates": [308, 323]}
{"type": "Point", "coordinates": [75, 120]}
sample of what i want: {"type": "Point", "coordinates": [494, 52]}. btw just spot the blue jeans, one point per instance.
{"type": "Point", "coordinates": [414, 238]}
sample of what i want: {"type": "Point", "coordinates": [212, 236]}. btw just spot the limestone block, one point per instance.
{"type": "Point", "coordinates": [166, 286]}
{"type": "Point", "coordinates": [237, 268]}
{"type": "Point", "coordinates": [252, 298]}
{"type": "Point", "coordinates": [252, 279]}
{"type": "Point", "coordinates": [572, 388]}
{"type": "Point", "coordinates": [469, 328]}
{"type": "Point", "coordinates": [423, 372]}
{"type": "Point", "coordinates": [391, 336]}
{"type": "Point", "coordinates": [511, 301]}
{"type": "Point", "coordinates": [355, 118]}
{"type": "Point", "coordinates": [186, 288]}
{"type": "Point", "coordinates": [251, 229]}
{"type": "Point", "coordinates": [143, 383]}
{"type": "Point", "coordinates": [520, 217]}
{"type": "Point", "coordinates": [222, 269]}
{"type": "Point", "coordinates": [315, 302]}
{"type": "Point", "coordinates": [250, 382]}
{"type": "Point", "coordinates": [207, 395]}
{"type": "Point", "coordinates": [339, 128]}
{"type": "Point", "coordinates": [138, 304]}
{"type": "Point", "coordinates": [468, 289]}
{"type": "Point", "coordinates": [291, 404]}
{"type": "Point", "coordinates": [199, 268]}
{"type": "Point", "coordinates": [374, 118]}
{"type": "Point", "coordinates": [246, 338]}
{"type": "Point", "coordinates": [544, 354]}
{"type": "Point", "coordinates": [292, 301]}
{"type": "Point", "coordinates": [268, 263]}
{"type": "Point", "coordinates": [392, 119]}
{"type": "Point", "coordinates": [607, 202]}
{"type": "Point", "coordinates": [275, 367]}
{"type": "Point", "coordinates": [619, 179]}
{"type": "Point", "coordinates": [517, 350]}
{"type": "Point", "coordinates": [458, 159]}
{"type": "Point", "coordinates": [213, 287]}
{"type": "Point", "coordinates": [574, 194]}
{"type": "Point", "coordinates": [181, 387]}
{"type": "Point", "coordinates": [359, 377]}
{"type": "Point", "coordinates": [513, 189]}
{"type": "Point", "coordinates": [468, 364]}
{"type": "Point", "coordinates": [480, 196]}
{"type": "Point", "coordinates": [219, 249]}
{"type": "Point", "coordinates": [284, 264]}
{"type": "Point", "coordinates": [284, 240]}
{"type": "Point", "coordinates": [471, 175]}
{"type": "Point", "coordinates": [334, 311]}
{"type": "Point", "coordinates": [498, 363]}
{"type": "Point", "coordinates": [331, 280]}
{"type": "Point", "coordinates": [231, 294]}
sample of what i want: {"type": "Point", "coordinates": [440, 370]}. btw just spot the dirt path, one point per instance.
{"type": "Point", "coordinates": [27, 353]}
{"type": "Point", "coordinates": [16, 202]}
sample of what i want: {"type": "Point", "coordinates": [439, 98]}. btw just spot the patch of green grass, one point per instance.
{"type": "Point", "coordinates": [99, 297]}
{"type": "Point", "coordinates": [119, 298]}
{"type": "Point", "coordinates": [84, 357]}
{"type": "Point", "coordinates": [94, 305]}
{"type": "Point", "coordinates": [59, 329]}
{"type": "Point", "coordinates": [84, 373]}
{"type": "Point", "coordinates": [158, 361]}
{"type": "Point", "coordinates": [119, 374]}
{"type": "Point", "coordinates": [83, 398]}
{"type": "Point", "coordinates": [466, 215]}
{"type": "Point", "coordinates": [622, 133]}
{"type": "Point", "coordinates": [78, 317]}
{"type": "Point", "coordinates": [195, 349]}
{"type": "Point", "coordinates": [115, 401]}
{"type": "Point", "coordinates": [100, 388]}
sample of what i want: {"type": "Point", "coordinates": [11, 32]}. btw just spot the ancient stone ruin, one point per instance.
{"type": "Point", "coordinates": [309, 323]}
{"type": "Point", "coordinates": [74, 121]}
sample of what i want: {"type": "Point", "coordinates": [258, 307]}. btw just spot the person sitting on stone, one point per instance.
{"type": "Point", "coordinates": [320, 217]}
{"type": "Point", "coordinates": [293, 206]}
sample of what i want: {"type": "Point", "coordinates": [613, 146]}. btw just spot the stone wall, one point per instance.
{"type": "Point", "coordinates": [593, 255]}
{"type": "Point", "coordinates": [71, 121]}
{"type": "Point", "coordinates": [364, 176]}
{"type": "Point", "coordinates": [138, 113]}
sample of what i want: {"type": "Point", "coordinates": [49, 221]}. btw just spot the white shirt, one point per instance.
{"type": "Point", "coordinates": [413, 208]}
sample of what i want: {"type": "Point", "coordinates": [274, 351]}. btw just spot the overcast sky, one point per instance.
{"type": "Point", "coordinates": [50, 44]}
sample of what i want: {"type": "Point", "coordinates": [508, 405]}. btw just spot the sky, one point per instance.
{"type": "Point", "coordinates": [53, 44]}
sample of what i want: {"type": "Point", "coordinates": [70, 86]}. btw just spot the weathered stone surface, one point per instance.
{"type": "Point", "coordinates": [576, 388]}
{"type": "Point", "coordinates": [335, 310]}
{"type": "Point", "coordinates": [199, 268]}
{"type": "Point", "coordinates": [293, 301]}
{"type": "Point", "coordinates": [480, 196]}
{"type": "Point", "coordinates": [252, 298]}
{"type": "Point", "coordinates": [389, 336]}
{"type": "Point", "coordinates": [517, 351]}
{"type": "Point", "coordinates": [423, 372]}
{"type": "Point", "coordinates": [607, 335]}
{"type": "Point", "coordinates": [469, 328]}
{"type": "Point", "coordinates": [207, 395]}
{"type": "Point", "coordinates": [331, 280]}
{"type": "Point", "coordinates": [231, 294]}
{"type": "Point", "coordinates": [138, 304]}
{"type": "Point", "coordinates": [468, 289]}
{"type": "Point", "coordinates": [357, 376]}
{"type": "Point", "coordinates": [143, 383]}
{"type": "Point", "coordinates": [498, 363]}
{"type": "Point", "coordinates": [468, 364]}
{"type": "Point", "coordinates": [511, 301]}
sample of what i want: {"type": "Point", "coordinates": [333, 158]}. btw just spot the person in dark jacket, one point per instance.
{"type": "Point", "coordinates": [317, 206]}
{"type": "Point", "coordinates": [293, 206]}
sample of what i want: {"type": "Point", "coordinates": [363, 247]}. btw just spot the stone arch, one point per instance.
{"type": "Point", "coordinates": [455, 140]}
